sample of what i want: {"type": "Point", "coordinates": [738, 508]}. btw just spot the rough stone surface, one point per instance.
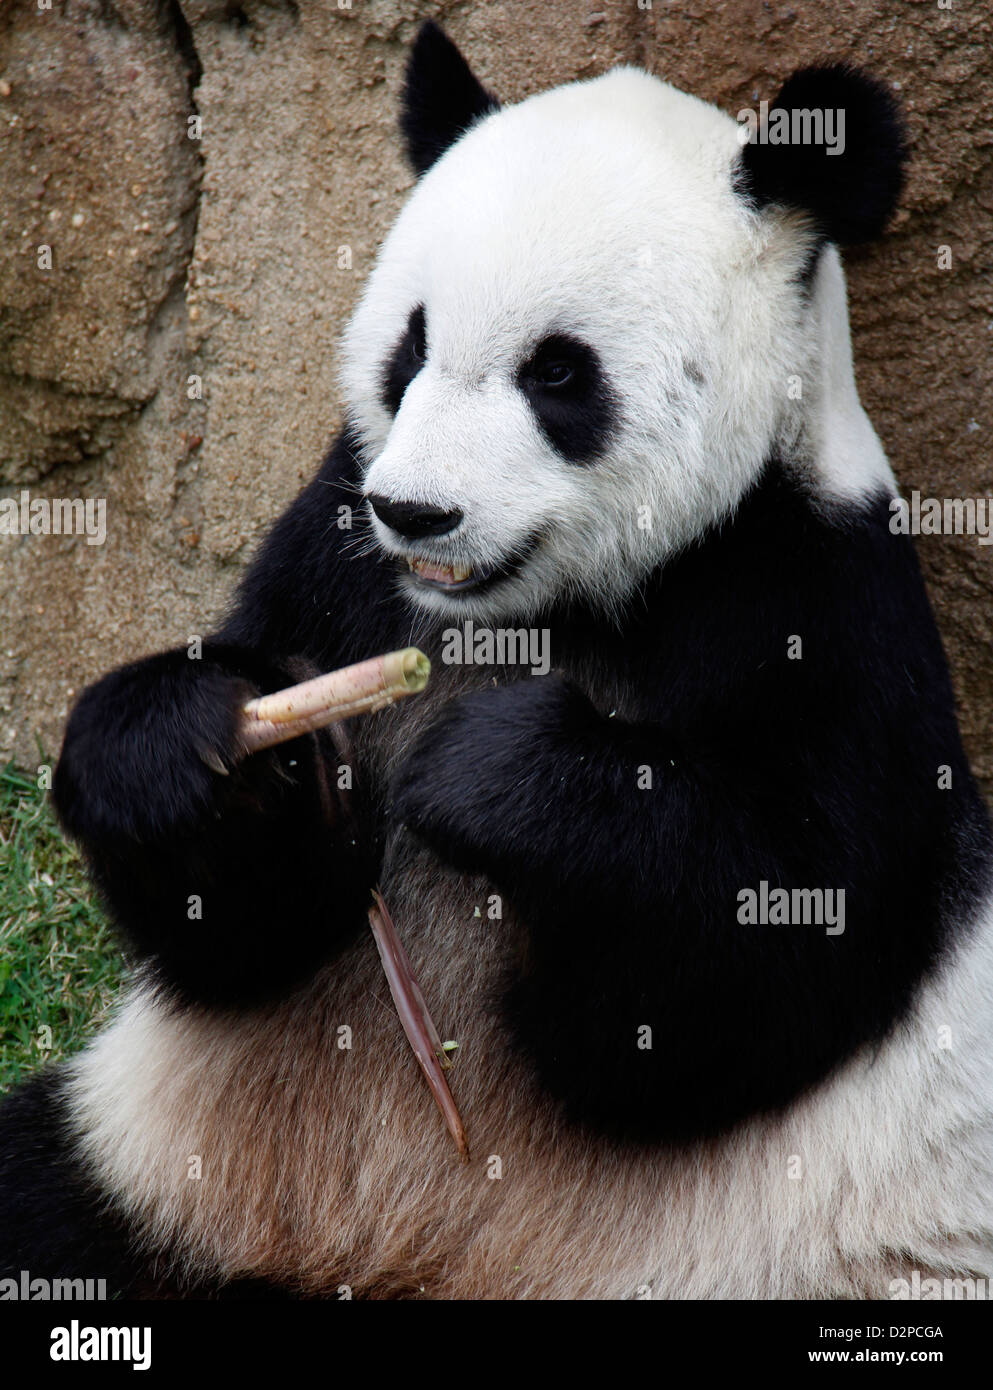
{"type": "Point", "coordinates": [236, 258]}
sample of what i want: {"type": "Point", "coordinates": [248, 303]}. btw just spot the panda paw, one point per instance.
{"type": "Point", "coordinates": [477, 781]}
{"type": "Point", "coordinates": [149, 751]}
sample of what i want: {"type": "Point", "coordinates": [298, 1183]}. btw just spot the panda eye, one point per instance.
{"type": "Point", "coordinates": [558, 363]}
{"type": "Point", "coordinates": [405, 361]}
{"type": "Point", "coordinates": [552, 374]}
{"type": "Point", "coordinates": [569, 395]}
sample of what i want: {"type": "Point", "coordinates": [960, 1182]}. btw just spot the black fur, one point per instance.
{"type": "Point", "coordinates": [441, 97]}
{"type": "Point", "coordinates": [577, 413]}
{"type": "Point", "coordinates": [54, 1223]}
{"type": "Point", "coordinates": [405, 361]}
{"type": "Point", "coordinates": [850, 195]}
{"type": "Point", "coordinates": [192, 861]}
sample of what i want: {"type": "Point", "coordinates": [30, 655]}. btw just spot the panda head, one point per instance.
{"type": "Point", "coordinates": [575, 351]}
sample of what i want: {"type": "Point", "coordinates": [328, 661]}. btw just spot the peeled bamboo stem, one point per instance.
{"type": "Point", "coordinates": [360, 689]}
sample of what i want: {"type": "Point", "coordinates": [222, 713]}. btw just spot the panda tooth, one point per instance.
{"type": "Point", "coordinates": [441, 574]}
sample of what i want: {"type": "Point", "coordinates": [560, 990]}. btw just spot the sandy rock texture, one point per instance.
{"type": "Point", "coordinates": [212, 180]}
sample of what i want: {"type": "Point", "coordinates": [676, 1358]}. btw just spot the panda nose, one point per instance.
{"type": "Point", "coordinates": [414, 519]}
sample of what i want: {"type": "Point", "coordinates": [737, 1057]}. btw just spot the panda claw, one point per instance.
{"type": "Point", "coordinates": [213, 760]}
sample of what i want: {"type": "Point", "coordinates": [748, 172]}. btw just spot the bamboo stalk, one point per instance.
{"type": "Point", "coordinates": [360, 689]}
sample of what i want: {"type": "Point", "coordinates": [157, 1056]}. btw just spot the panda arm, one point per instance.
{"type": "Point", "coordinates": [233, 881]}
{"type": "Point", "coordinates": [624, 849]}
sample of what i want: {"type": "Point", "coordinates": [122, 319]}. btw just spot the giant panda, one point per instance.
{"type": "Point", "coordinates": [569, 410]}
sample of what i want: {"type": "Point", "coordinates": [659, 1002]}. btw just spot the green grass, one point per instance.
{"type": "Point", "coordinates": [59, 963]}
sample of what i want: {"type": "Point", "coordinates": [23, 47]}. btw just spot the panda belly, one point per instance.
{"type": "Point", "coordinates": [255, 1145]}
{"type": "Point", "coordinates": [321, 1166]}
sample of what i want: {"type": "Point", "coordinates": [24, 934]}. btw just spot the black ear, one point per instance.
{"type": "Point", "coordinates": [441, 97]}
{"type": "Point", "coordinates": [851, 192]}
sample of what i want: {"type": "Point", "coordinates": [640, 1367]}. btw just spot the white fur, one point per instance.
{"type": "Point", "coordinates": [605, 209]}
{"type": "Point", "coordinates": [848, 458]}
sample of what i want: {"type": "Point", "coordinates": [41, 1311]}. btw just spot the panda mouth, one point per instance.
{"type": "Point", "coordinates": [443, 576]}
{"type": "Point", "coordinates": [457, 579]}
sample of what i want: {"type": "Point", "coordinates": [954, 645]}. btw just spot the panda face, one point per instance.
{"type": "Point", "coordinates": [573, 354]}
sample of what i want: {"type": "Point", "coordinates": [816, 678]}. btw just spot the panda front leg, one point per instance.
{"type": "Point", "coordinates": [646, 1004]}
{"type": "Point", "coordinates": [233, 879]}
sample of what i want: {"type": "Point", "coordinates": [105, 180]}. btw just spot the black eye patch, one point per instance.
{"type": "Point", "coordinates": [567, 389]}
{"type": "Point", "coordinates": [405, 361]}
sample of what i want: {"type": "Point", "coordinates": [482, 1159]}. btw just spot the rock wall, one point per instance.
{"type": "Point", "coordinates": [212, 180]}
